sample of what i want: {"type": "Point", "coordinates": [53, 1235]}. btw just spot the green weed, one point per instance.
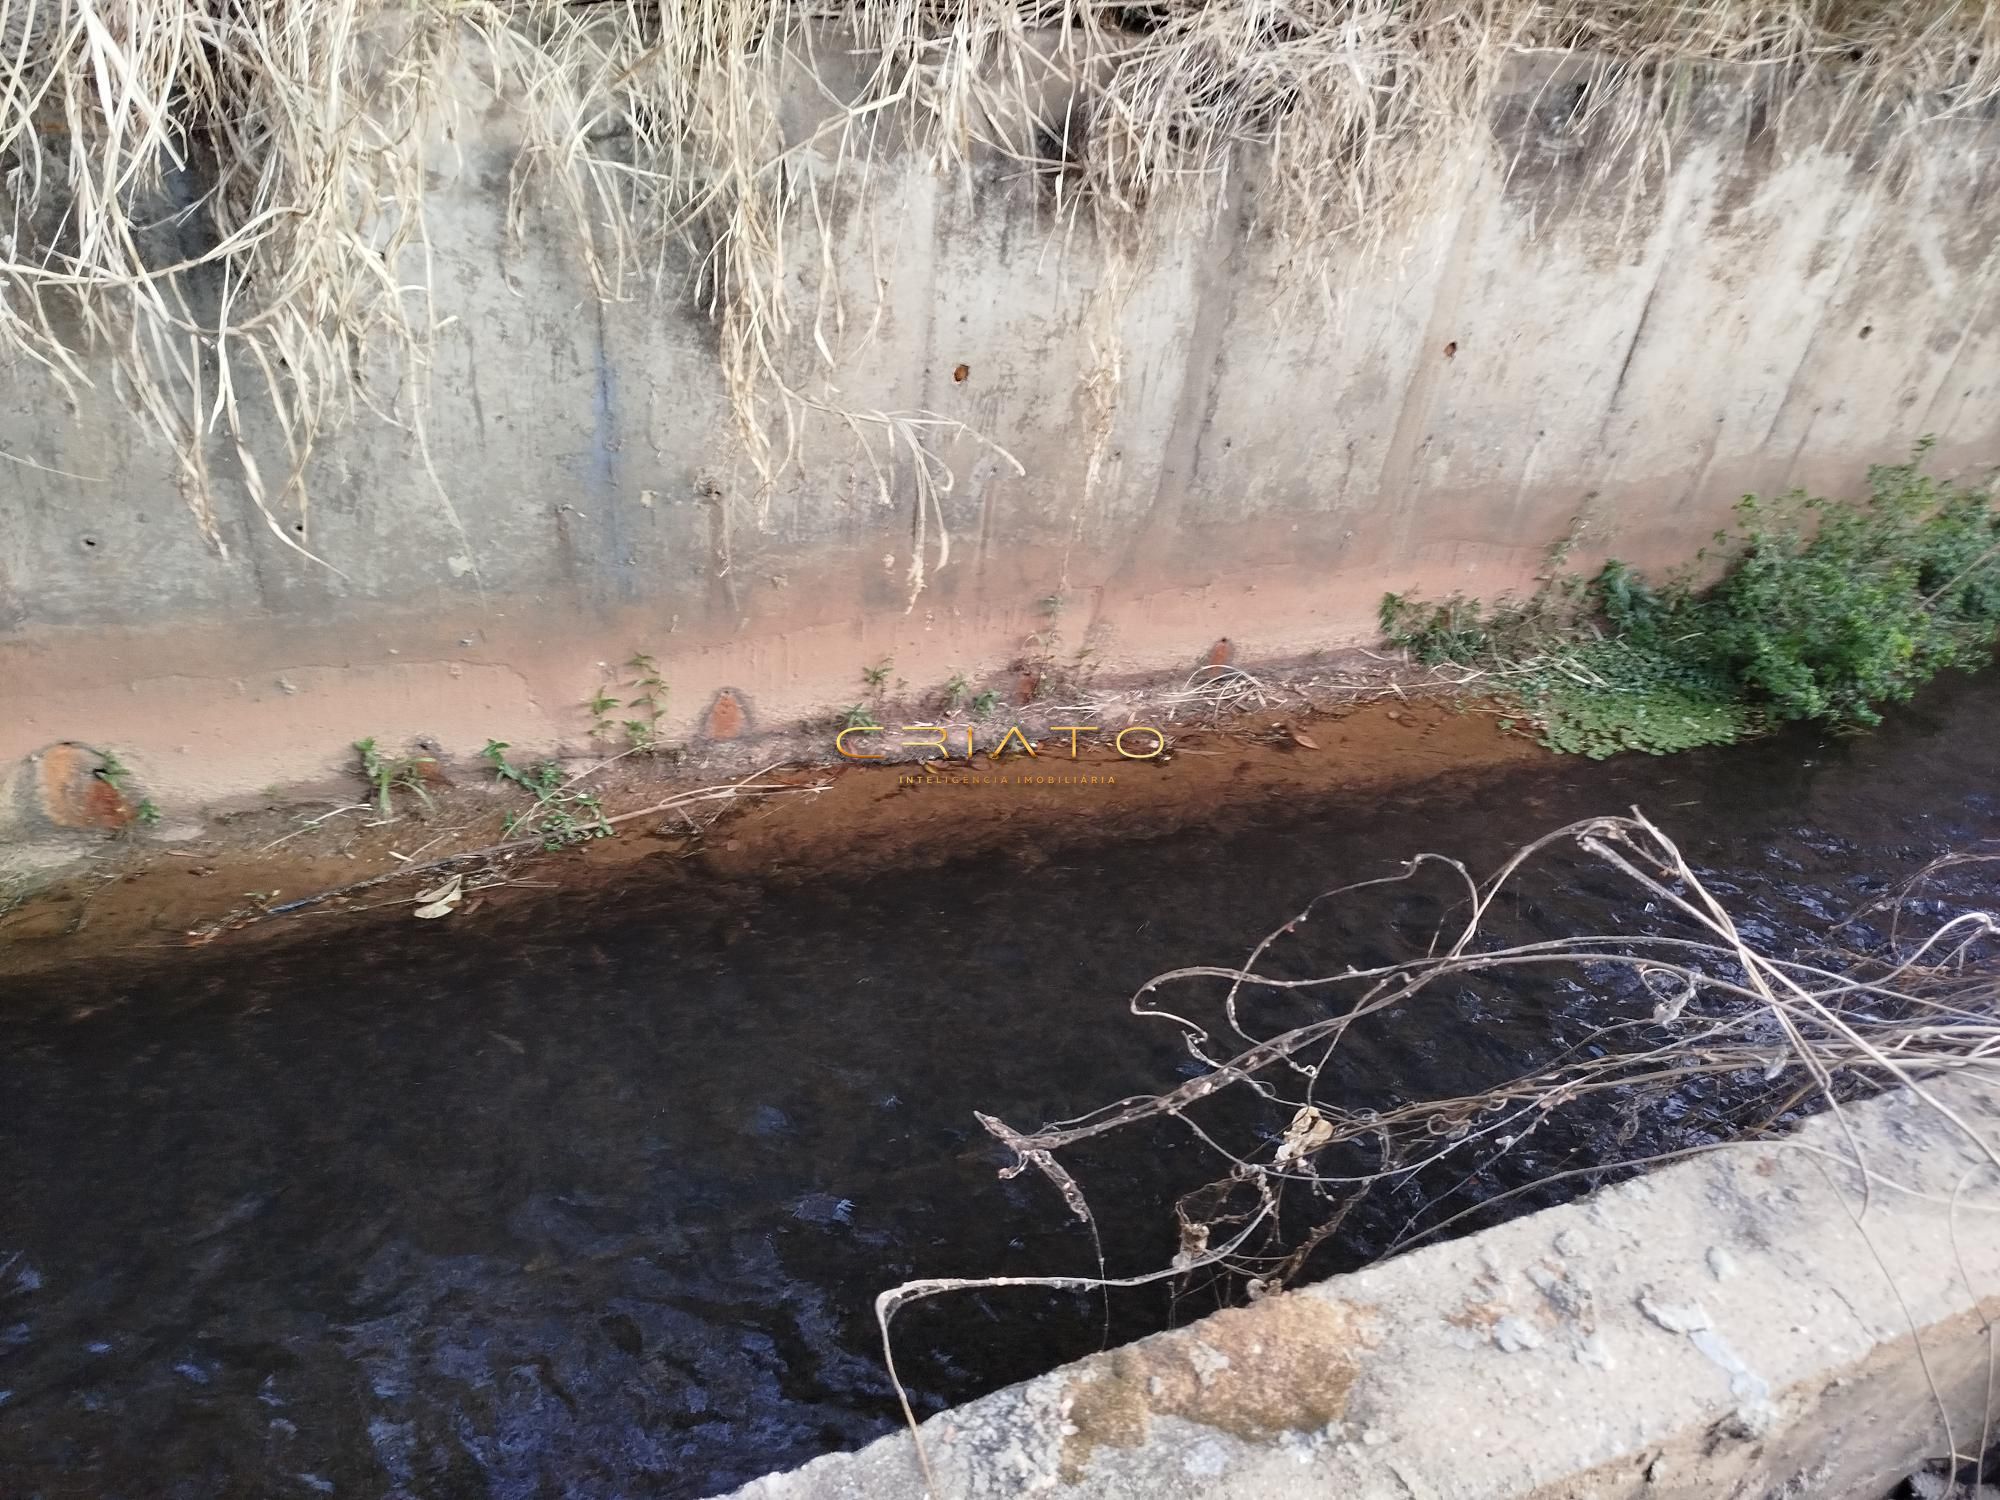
{"type": "Point", "coordinates": [1825, 611]}
{"type": "Point", "coordinates": [561, 815]}
{"type": "Point", "coordinates": [649, 698]}
{"type": "Point", "coordinates": [118, 776]}
{"type": "Point", "coordinates": [386, 775]}
{"type": "Point", "coordinates": [600, 705]}
{"type": "Point", "coordinates": [646, 699]}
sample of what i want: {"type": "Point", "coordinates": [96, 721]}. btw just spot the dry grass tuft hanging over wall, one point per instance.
{"type": "Point", "coordinates": [223, 201]}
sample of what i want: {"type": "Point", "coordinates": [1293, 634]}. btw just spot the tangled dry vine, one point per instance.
{"type": "Point", "coordinates": [1683, 1002]}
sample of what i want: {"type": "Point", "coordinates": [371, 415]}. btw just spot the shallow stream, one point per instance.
{"type": "Point", "coordinates": [593, 1199]}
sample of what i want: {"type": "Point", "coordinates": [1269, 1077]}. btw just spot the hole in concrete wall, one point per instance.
{"type": "Point", "coordinates": [1562, 111]}
{"type": "Point", "coordinates": [1757, 127]}
{"type": "Point", "coordinates": [1141, 19]}
{"type": "Point", "coordinates": [90, 541]}
{"type": "Point", "coordinates": [1866, 329]}
{"type": "Point", "coordinates": [1060, 144]}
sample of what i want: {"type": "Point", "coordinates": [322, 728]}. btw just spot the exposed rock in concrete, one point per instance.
{"type": "Point", "coordinates": [1478, 1370]}
{"type": "Point", "coordinates": [727, 717]}
{"type": "Point", "coordinates": [65, 787]}
{"type": "Point", "coordinates": [56, 810]}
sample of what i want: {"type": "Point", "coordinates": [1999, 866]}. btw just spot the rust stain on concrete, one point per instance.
{"type": "Point", "coordinates": [1286, 1365]}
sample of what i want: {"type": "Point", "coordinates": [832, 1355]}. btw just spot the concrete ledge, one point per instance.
{"type": "Point", "coordinates": [1737, 1325]}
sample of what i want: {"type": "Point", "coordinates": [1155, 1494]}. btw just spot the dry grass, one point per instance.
{"type": "Point", "coordinates": [223, 201]}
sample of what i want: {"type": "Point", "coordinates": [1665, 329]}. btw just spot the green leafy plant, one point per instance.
{"type": "Point", "coordinates": [600, 705]}
{"type": "Point", "coordinates": [645, 701]}
{"type": "Point", "coordinates": [1434, 633]}
{"type": "Point", "coordinates": [115, 774]}
{"type": "Point", "coordinates": [562, 815]}
{"type": "Point", "coordinates": [1823, 611]}
{"type": "Point", "coordinates": [953, 692]}
{"type": "Point", "coordinates": [649, 696]}
{"type": "Point", "coordinates": [986, 702]}
{"type": "Point", "coordinates": [386, 775]}
{"type": "Point", "coordinates": [1046, 668]}
{"type": "Point", "coordinates": [877, 675]}
{"type": "Point", "coordinates": [113, 771]}
{"type": "Point", "coordinates": [858, 716]}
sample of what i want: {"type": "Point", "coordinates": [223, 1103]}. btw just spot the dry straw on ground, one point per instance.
{"type": "Point", "coordinates": [219, 205]}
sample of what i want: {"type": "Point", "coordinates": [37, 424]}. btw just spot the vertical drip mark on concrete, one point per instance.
{"type": "Point", "coordinates": [1527, 478]}
{"type": "Point", "coordinates": [1679, 191]}
{"type": "Point", "coordinates": [722, 577]}
{"type": "Point", "coordinates": [608, 511]}
{"type": "Point", "coordinates": [1639, 335]}
{"type": "Point", "coordinates": [1103, 385]}
{"type": "Point", "coordinates": [1413, 416]}
{"type": "Point", "coordinates": [1798, 449]}
{"type": "Point", "coordinates": [1203, 371]}
{"type": "Point", "coordinates": [1949, 378]}
{"type": "Point", "coordinates": [1631, 349]}
{"type": "Point", "coordinates": [983, 546]}
{"type": "Point", "coordinates": [1698, 486]}
{"type": "Point", "coordinates": [601, 472]}
{"type": "Point", "coordinates": [1852, 237]}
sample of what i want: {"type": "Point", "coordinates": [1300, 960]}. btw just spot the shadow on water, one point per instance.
{"type": "Point", "coordinates": [595, 1202]}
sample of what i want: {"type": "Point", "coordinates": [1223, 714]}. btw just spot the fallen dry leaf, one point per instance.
{"type": "Point", "coordinates": [448, 888]}
{"type": "Point", "coordinates": [1308, 1131]}
{"type": "Point", "coordinates": [440, 900]}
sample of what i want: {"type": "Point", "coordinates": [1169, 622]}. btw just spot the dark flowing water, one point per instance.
{"type": "Point", "coordinates": [594, 1200]}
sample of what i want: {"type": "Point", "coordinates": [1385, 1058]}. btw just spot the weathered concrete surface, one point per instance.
{"type": "Point", "coordinates": [1209, 451]}
{"type": "Point", "coordinates": [1744, 1324]}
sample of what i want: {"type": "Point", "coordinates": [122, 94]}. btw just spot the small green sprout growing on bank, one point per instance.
{"type": "Point", "coordinates": [858, 716]}
{"type": "Point", "coordinates": [600, 705]}
{"type": "Point", "coordinates": [986, 702]}
{"type": "Point", "coordinates": [877, 675]}
{"type": "Point", "coordinates": [954, 691]}
{"type": "Point", "coordinates": [645, 701]}
{"type": "Point", "coordinates": [649, 697]}
{"type": "Point", "coordinates": [561, 815]}
{"type": "Point", "coordinates": [388, 774]}
{"type": "Point", "coordinates": [115, 774]}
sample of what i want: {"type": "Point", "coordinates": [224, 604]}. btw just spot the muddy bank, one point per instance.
{"type": "Point", "coordinates": [141, 901]}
